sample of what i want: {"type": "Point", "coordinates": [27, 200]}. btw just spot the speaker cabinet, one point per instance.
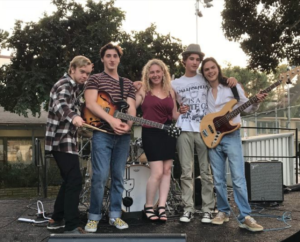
{"type": "Point", "coordinates": [118, 237]}
{"type": "Point", "coordinates": [264, 181]}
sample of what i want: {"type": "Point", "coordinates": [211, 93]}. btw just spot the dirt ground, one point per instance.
{"type": "Point", "coordinates": [269, 216]}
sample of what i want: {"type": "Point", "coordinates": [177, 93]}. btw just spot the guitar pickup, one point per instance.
{"type": "Point", "coordinates": [204, 132]}
{"type": "Point", "coordinates": [211, 129]}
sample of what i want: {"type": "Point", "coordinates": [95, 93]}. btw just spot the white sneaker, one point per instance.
{"type": "Point", "coordinates": [118, 223]}
{"type": "Point", "coordinates": [186, 217]}
{"type": "Point", "coordinates": [91, 226]}
{"type": "Point", "coordinates": [207, 217]}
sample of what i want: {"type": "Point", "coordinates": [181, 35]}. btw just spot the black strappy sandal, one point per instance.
{"type": "Point", "coordinates": [152, 214]}
{"type": "Point", "coordinates": [162, 216]}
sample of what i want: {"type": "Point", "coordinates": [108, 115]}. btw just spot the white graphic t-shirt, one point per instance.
{"type": "Point", "coordinates": [191, 91]}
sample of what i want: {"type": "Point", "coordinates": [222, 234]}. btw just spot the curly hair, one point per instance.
{"type": "Point", "coordinates": [166, 83]}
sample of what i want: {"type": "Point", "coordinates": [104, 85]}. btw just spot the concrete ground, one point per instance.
{"type": "Point", "coordinates": [13, 230]}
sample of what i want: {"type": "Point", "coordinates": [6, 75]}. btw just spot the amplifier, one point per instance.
{"type": "Point", "coordinates": [264, 181]}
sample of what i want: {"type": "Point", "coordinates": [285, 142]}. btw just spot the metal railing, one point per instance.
{"type": "Point", "coordinates": [287, 151]}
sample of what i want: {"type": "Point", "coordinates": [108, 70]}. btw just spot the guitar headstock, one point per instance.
{"type": "Point", "coordinates": [174, 131]}
{"type": "Point", "coordinates": [289, 75]}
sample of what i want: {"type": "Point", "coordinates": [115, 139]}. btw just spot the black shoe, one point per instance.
{"type": "Point", "coordinates": [186, 217]}
{"type": "Point", "coordinates": [162, 215]}
{"type": "Point", "coordinates": [150, 214]}
{"type": "Point", "coordinates": [55, 224]}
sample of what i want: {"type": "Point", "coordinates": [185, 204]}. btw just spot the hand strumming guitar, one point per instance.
{"type": "Point", "coordinates": [118, 126]}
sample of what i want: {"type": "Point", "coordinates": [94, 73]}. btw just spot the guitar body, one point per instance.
{"type": "Point", "coordinates": [106, 102]}
{"type": "Point", "coordinates": [119, 110]}
{"type": "Point", "coordinates": [214, 126]}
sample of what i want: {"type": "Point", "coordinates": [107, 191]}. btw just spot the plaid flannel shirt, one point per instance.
{"type": "Point", "coordinates": [60, 132]}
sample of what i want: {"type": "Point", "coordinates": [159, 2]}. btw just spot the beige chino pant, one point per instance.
{"type": "Point", "coordinates": [187, 142]}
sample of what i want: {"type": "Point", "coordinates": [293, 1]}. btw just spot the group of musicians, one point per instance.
{"type": "Point", "coordinates": [196, 93]}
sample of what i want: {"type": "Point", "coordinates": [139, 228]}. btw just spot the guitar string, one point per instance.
{"type": "Point", "coordinates": [235, 112]}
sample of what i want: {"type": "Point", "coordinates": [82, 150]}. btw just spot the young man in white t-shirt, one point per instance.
{"type": "Point", "coordinates": [191, 94]}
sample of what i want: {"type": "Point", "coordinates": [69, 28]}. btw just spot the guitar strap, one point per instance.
{"type": "Point", "coordinates": [121, 87]}
{"type": "Point", "coordinates": [235, 93]}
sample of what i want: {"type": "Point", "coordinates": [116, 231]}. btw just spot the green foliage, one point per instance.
{"type": "Point", "coordinates": [3, 37]}
{"type": "Point", "coordinates": [44, 49]}
{"type": "Point", "coordinates": [140, 47]}
{"type": "Point", "coordinates": [268, 30]}
{"type": "Point", "coordinates": [18, 175]}
{"type": "Point", "coordinates": [22, 175]}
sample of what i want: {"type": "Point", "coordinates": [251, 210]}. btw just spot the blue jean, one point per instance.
{"type": "Point", "coordinates": [109, 155]}
{"type": "Point", "coordinates": [230, 147]}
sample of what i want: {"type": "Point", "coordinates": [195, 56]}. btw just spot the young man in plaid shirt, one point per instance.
{"type": "Point", "coordinates": [61, 132]}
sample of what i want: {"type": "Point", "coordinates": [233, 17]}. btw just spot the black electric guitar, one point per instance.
{"type": "Point", "coordinates": [215, 125]}
{"type": "Point", "coordinates": [118, 110]}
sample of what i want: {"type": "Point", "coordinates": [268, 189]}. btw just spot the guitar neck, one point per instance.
{"type": "Point", "coordinates": [251, 101]}
{"type": "Point", "coordinates": [142, 121]}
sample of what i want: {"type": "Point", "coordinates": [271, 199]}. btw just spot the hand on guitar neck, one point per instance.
{"type": "Point", "coordinates": [261, 96]}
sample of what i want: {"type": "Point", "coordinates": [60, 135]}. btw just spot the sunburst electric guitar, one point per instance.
{"type": "Point", "coordinates": [215, 125]}
{"type": "Point", "coordinates": [118, 110]}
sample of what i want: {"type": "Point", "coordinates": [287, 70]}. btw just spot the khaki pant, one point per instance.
{"type": "Point", "coordinates": [186, 143]}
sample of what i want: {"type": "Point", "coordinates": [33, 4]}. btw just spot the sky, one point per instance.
{"type": "Point", "coordinates": [176, 17]}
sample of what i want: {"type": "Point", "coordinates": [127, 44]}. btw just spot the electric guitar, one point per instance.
{"type": "Point", "coordinates": [215, 125]}
{"type": "Point", "coordinates": [118, 110]}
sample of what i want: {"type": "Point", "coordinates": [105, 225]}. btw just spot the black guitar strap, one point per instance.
{"type": "Point", "coordinates": [121, 87]}
{"type": "Point", "coordinates": [235, 93]}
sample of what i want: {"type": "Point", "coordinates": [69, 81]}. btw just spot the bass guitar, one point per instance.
{"type": "Point", "coordinates": [214, 126]}
{"type": "Point", "coordinates": [118, 110]}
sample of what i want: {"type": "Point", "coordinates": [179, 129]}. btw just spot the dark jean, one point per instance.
{"type": "Point", "coordinates": [67, 200]}
{"type": "Point", "coordinates": [109, 154]}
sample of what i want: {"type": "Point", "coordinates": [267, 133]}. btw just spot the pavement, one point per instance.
{"type": "Point", "coordinates": [281, 220]}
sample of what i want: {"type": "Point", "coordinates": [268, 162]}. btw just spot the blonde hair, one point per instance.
{"type": "Point", "coordinates": [79, 61]}
{"type": "Point", "coordinates": [166, 82]}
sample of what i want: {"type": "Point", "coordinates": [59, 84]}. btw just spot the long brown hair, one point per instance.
{"type": "Point", "coordinates": [222, 79]}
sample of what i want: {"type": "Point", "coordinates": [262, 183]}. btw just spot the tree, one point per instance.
{"type": "Point", "coordinates": [268, 30]}
{"type": "Point", "coordinates": [43, 50]}
{"type": "Point", "coordinates": [140, 47]}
